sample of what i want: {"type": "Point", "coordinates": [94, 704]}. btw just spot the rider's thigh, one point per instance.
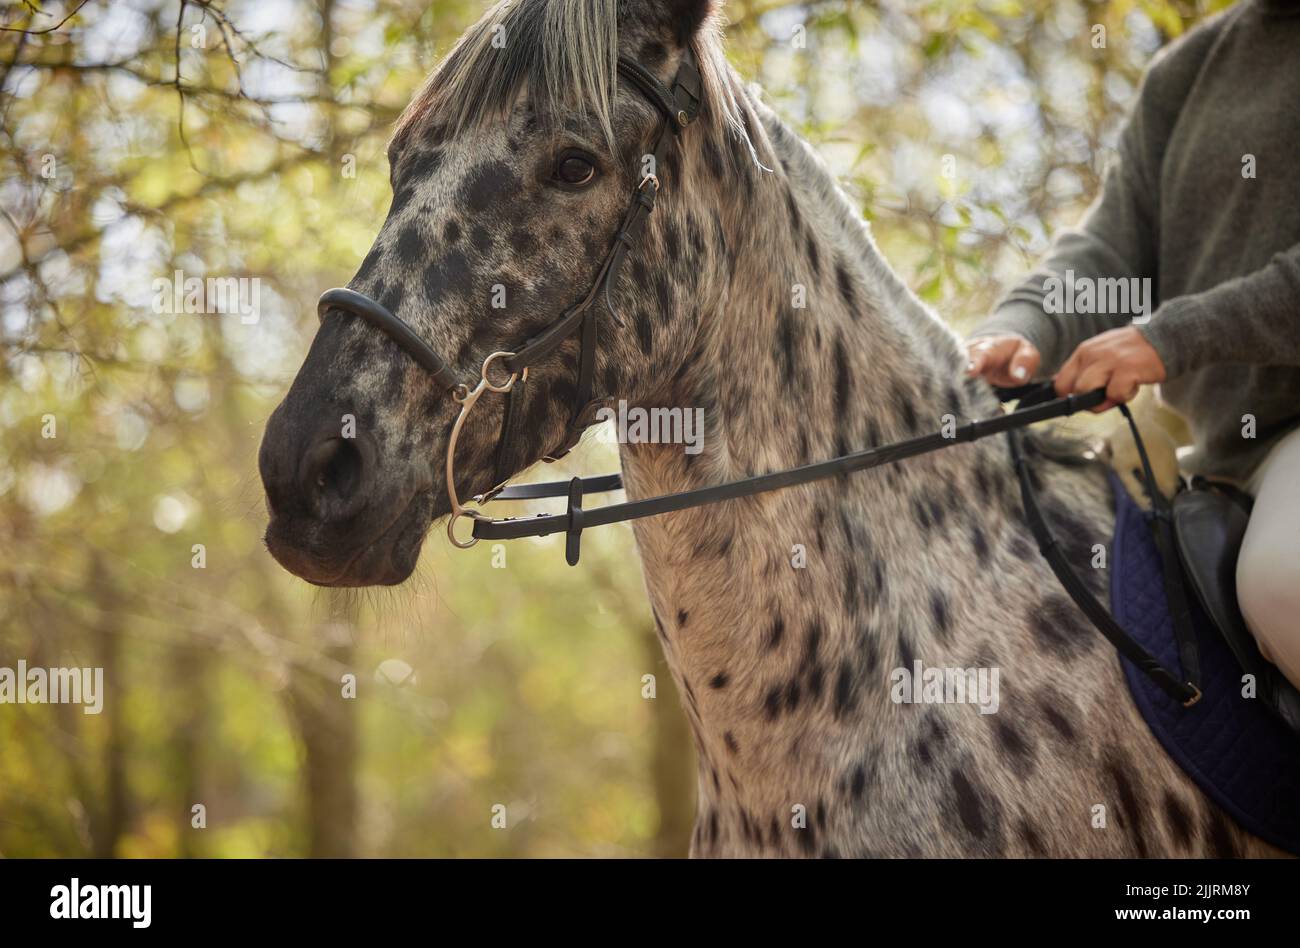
{"type": "Point", "coordinates": [1268, 570]}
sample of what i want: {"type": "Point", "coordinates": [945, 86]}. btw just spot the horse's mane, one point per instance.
{"type": "Point", "coordinates": [1060, 444]}
{"type": "Point", "coordinates": [564, 54]}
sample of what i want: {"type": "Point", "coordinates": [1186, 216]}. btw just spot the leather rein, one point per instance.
{"type": "Point", "coordinates": [678, 106]}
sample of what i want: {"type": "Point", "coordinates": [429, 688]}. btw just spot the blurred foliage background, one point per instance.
{"type": "Point", "coordinates": [220, 138]}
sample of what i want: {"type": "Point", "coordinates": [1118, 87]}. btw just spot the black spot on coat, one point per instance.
{"type": "Point", "coordinates": [845, 696]}
{"type": "Point", "coordinates": [1179, 820]}
{"type": "Point", "coordinates": [940, 615]}
{"type": "Point", "coordinates": [846, 289]}
{"type": "Point", "coordinates": [489, 182]}
{"type": "Point", "coordinates": [979, 814]}
{"type": "Point", "coordinates": [1014, 744]}
{"type": "Point", "coordinates": [1057, 629]}
{"type": "Point", "coordinates": [775, 634]}
{"type": "Point", "coordinates": [1132, 808]}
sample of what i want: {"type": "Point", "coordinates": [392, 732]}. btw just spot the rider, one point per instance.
{"type": "Point", "coordinates": [1186, 272]}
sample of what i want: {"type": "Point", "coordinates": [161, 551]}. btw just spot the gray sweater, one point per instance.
{"type": "Point", "coordinates": [1203, 200]}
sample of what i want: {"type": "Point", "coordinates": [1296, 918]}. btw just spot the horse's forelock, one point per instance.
{"type": "Point", "coordinates": [565, 54]}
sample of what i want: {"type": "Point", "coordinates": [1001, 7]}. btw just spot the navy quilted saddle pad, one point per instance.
{"type": "Point", "coordinates": [1231, 746]}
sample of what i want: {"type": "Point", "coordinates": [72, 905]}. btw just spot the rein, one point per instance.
{"type": "Point", "coordinates": [1035, 404]}
{"type": "Point", "coordinates": [576, 519]}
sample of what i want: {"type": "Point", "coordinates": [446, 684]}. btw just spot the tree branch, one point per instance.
{"type": "Point", "coordinates": [51, 29]}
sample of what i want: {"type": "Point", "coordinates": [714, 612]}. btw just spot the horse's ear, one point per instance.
{"type": "Point", "coordinates": [687, 16]}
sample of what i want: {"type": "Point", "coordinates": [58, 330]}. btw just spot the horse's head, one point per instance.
{"type": "Point", "coordinates": [511, 172]}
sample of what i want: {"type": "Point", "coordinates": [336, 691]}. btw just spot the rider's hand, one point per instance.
{"type": "Point", "coordinates": [1005, 360]}
{"type": "Point", "coordinates": [1121, 360]}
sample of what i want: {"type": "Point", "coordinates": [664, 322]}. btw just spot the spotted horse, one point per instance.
{"type": "Point", "coordinates": [510, 170]}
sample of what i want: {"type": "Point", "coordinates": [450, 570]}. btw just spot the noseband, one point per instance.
{"type": "Point", "coordinates": [678, 106]}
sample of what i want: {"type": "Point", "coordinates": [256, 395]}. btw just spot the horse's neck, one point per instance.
{"type": "Point", "coordinates": [781, 615]}
{"type": "Point", "coordinates": [815, 349]}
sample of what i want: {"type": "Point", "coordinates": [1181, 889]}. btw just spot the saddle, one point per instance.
{"type": "Point", "coordinates": [1194, 542]}
{"type": "Point", "coordinates": [1185, 650]}
{"type": "Point", "coordinates": [1233, 742]}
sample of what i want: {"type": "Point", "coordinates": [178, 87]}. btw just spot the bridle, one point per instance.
{"type": "Point", "coordinates": [678, 107]}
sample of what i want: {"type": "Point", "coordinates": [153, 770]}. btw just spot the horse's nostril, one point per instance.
{"type": "Point", "coordinates": [343, 471]}
{"type": "Point", "coordinates": [332, 474]}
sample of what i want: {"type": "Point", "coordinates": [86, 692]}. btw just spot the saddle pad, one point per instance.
{"type": "Point", "coordinates": [1240, 756]}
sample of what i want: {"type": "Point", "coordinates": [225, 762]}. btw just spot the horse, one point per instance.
{"type": "Point", "coordinates": [756, 294]}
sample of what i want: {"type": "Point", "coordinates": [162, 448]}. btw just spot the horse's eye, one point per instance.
{"type": "Point", "coordinates": [575, 170]}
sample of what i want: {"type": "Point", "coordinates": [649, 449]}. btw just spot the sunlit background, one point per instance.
{"type": "Point", "coordinates": [477, 686]}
